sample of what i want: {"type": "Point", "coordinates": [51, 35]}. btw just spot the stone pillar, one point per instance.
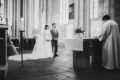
{"type": "Point", "coordinates": [101, 8]}
{"type": "Point", "coordinates": [40, 16]}
{"type": "Point", "coordinates": [36, 14]}
{"type": "Point", "coordinates": [115, 12]}
{"type": "Point", "coordinates": [17, 18]}
{"type": "Point", "coordinates": [13, 17]}
{"type": "Point", "coordinates": [30, 17]}
{"type": "Point", "coordinates": [26, 16]}
{"type": "Point", "coordinates": [9, 10]}
{"type": "Point", "coordinates": [2, 8]}
{"type": "Point", "coordinates": [9, 16]}
{"type": "Point", "coordinates": [5, 8]}
{"type": "Point", "coordinates": [81, 12]}
{"type": "Point", "coordinates": [106, 7]}
{"type": "Point", "coordinates": [43, 15]}
{"type": "Point", "coordinates": [86, 18]}
{"type": "Point", "coordinates": [49, 11]}
{"type": "Point", "coordinates": [77, 13]}
{"type": "Point", "coordinates": [112, 9]}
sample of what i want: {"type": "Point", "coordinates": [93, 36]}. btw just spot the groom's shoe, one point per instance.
{"type": "Point", "coordinates": [56, 55]}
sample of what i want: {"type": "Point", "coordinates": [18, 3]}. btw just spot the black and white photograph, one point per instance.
{"type": "Point", "coordinates": [59, 39]}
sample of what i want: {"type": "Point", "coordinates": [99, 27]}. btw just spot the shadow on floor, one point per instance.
{"type": "Point", "coordinates": [59, 68]}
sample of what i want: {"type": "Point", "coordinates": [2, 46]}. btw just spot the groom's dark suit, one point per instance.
{"type": "Point", "coordinates": [55, 35]}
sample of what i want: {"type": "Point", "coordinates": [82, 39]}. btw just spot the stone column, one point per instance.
{"type": "Point", "coordinates": [81, 12]}
{"type": "Point", "coordinates": [26, 16]}
{"type": "Point", "coordinates": [40, 15]}
{"type": "Point", "coordinates": [18, 18]}
{"type": "Point", "coordinates": [43, 15]}
{"type": "Point", "coordinates": [86, 18]}
{"type": "Point", "coordinates": [77, 13]}
{"type": "Point", "coordinates": [13, 17]}
{"type": "Point", "coordinates": [36, 14]}
{"type": "Point", "coordinates": [30, 17]}
{"type": "Point", "coordinates": [5, 8]}
{"type": "Point", "coordinates": [106, 7]}
{"type": "Point", "coordinates": [112, 8]}
{"type": "Point", "coordinates": [9, 14]}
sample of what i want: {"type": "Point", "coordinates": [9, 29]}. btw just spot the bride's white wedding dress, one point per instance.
{"type": "Point", "coordinates": [42, 48]}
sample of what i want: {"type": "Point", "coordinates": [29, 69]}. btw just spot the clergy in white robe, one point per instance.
{"type": "Point", "coordinates": [110, 37]}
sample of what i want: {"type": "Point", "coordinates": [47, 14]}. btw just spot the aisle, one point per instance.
{"type": "Point", "coordinates": [59, 68]}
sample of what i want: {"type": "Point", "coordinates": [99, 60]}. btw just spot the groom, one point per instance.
{"type": "Point", "coordinates": [55, 35]}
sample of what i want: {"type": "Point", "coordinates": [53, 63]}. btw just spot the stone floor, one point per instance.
{"type": "Point", "coordinates": [59, 68]}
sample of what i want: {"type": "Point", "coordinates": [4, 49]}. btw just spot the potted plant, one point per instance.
{"type": "Point", "coordinates": [79, 32]}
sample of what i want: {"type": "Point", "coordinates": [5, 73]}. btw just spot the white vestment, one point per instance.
{"type": "Point", "coordinates": [110, 37]}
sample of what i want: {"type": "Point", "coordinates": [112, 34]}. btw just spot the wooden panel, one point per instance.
{"type": "Point", "coordinates": [80, 60]}
{"type": "Point", "coordinates": [3, 46]}
{"type": "Point", "coordinates": [90, 56]}
{"type": "Point", "coordinates": [93, 47]}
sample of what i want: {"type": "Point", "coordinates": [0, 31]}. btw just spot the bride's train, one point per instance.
{"type": "Point", "coordinates": [42, 49]}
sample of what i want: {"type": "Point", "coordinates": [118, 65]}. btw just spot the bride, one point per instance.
{"type": "Point", "coordinates": [42, 48]}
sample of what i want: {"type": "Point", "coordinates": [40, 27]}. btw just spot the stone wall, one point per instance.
{"type": "Point", "coordinates": [117, 11]}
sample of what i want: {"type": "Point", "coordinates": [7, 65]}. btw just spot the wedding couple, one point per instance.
{"type": "Point", "coordinates": [46, 43]}
{"type": "Point", "coordinates": [45, 46]}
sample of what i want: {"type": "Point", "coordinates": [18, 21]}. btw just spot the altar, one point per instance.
{"type": "Point", "coordinates": [86, 52]}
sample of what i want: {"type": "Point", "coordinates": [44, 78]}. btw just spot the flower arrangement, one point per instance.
{"type": "Point", "coordinates": [78, 33]}
{"type": "Point", "coordinates": [78, 30]}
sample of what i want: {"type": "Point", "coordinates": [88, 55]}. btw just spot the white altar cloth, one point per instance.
{"type": "Point", "coordinates": [74, 44]}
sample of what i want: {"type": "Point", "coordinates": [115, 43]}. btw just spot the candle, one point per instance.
{"type": "Point", "coordinates": [22, 24]}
